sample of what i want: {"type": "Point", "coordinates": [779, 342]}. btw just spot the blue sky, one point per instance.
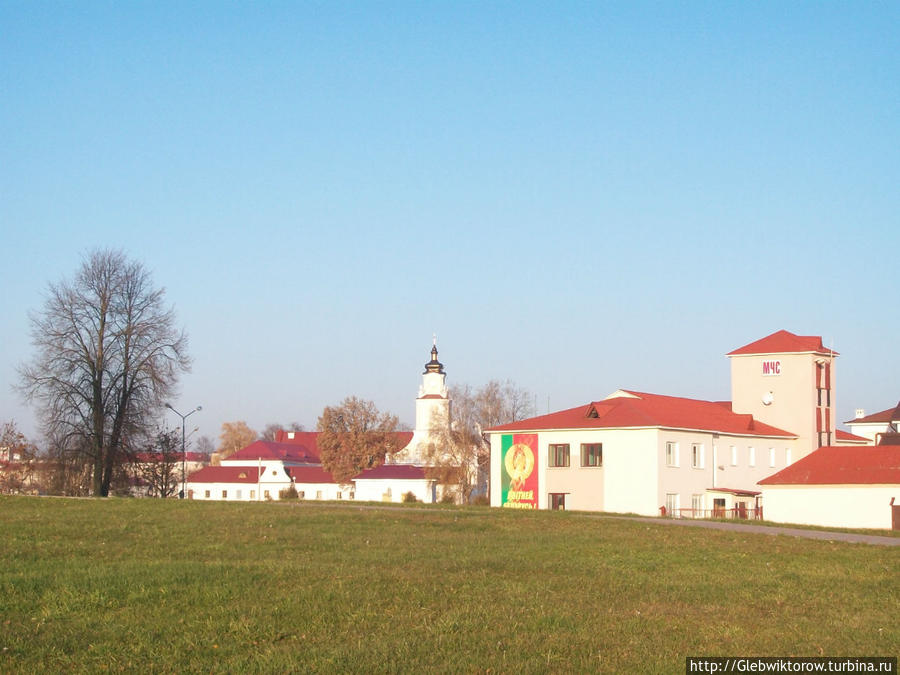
{"type": "Point", "coordinates": [578, 197]}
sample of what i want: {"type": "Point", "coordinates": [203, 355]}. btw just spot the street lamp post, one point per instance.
{"type": "Point", "coordinates": [183, 425]}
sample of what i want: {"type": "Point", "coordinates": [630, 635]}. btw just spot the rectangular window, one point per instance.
{"type": "Point", "coordinates": [671, 453]}
{"type": "Point", "coordinates": [238, 494]}
{"type": "Point", "coordinates": [206, 494]}
{"type": "Point", "coordinates": [697, 506]}
{"type": "Point", "coordinates": [787, 456]}
{"type": "Point", "coordinates": [558, 501]}
{"type": "Point", "coordinates": [340, 495]}
{"type": "Point", "coordinates": [672, 504]}
{"type": "Point", "coordinates": [318, 494]}
{"type": "Point", "coordinates": [266, 494]}
{"type": "Point", "coordinates": [252, 494]}
{"type": "Point", "coordinates": [558, 454]}
{"type": "Point", "coordinates": [771, 457]}
{"type": "Point", "coordinates": [592, 454]}
{"type": "Point", "coordinates": [224, 494]}
{"type": "Point", "coordinates": [697, 458]}
{"type": "Point", "coordinates": [352, 494]}
{"type": "Point", "coordinates": [752, 456]}
{"type": "Point", "coordinates": [733, 455]}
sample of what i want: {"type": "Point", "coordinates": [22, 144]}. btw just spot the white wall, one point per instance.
{"type": "Point", "coordinates": [862, 506]}
{"type": "Point", "coordinates": [376, 490]}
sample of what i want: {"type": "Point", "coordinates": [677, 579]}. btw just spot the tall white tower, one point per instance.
{"type": "Point", "coordinates": [432, 408]}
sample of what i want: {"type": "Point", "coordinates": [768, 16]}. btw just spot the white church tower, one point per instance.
{"type": "Point", "coordinates": [432, 407]}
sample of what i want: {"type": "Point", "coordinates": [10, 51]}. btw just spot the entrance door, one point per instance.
{"type": "Point", "coordinates": [558, 501]}
{"type": "Point", "coordinates": [719, 507]}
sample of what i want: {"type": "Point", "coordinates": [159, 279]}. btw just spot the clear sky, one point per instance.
{"type": "Point", "coordinates": [578, 197]}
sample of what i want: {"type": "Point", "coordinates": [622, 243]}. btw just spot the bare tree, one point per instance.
{"type": "Point", "coordinates": [354, 436]}
{"type": "Point", "coordinates": [272, 428]}
{"type": "Point", "coordinates": [108, 355]}
{"type": "Point", "coordinates": [17, 460]}
{"type": "Point", "coordinates": [459, 455]}
{"type": "Point", "coordinates": [205, 446]}
{"type": "Point", "coordinates": [159, 464]}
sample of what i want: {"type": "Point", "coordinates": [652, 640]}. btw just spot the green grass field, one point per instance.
{"type": "Point", "coordinates": [165, 586]}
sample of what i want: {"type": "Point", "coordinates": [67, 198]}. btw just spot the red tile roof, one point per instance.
{"type": "Point", "coordinates": [310, 474]}
{"type": "Point", "coordinates": [783, 342]}
{"type": "Point", "coordinates": [308, 440]}
{"type": "Point", "coordinates": [842, 465]}
{"type": "Point", "coordinates": [148, 457]}
{"type": "Point", "coordinates": [639, 409]}
{"type": "Point", "coordinates": [225, 474]}
{"type": "Point", "coordinates": [884, 416]}
{"type": "Point", "coordinates": [285, 452]}
{"type": "Point", "coordinates": [394, 472]}
{"type": "Point", "coordinates": [842, 435]}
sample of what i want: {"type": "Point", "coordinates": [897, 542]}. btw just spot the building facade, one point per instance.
{"type": "Point", "coordinates": [652, 454]}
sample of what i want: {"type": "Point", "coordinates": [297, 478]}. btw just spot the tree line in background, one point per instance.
{"type": "Point", "coordinates": [108, 355]}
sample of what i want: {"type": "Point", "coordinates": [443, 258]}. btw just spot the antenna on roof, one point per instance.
{"type": "Point", "coordinates": [434, 339]}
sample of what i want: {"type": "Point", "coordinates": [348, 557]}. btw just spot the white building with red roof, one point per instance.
{"type": "Point", "coordinates": [266, 470]}
{"type": "Point", "coordinates": [837, 486]}
{"type": "Point", "coordinates": [876, 425]}
{"type": "Point", "coordinates": [649, 454]}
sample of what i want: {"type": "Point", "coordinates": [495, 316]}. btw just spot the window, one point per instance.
{"type": "Point", "coordinates": [771, 457]}
{"type": "Point", "coordinates": [558, 454]}
{"type": "Point", "coordinates": [252, 494]}
{"type": "Point", "coordinates": [697, 506]}
{"type": "Point", "coordinates": [238, 494]}
{"type": "Point", "coordinates": [352, 494]}
{"type": "Point", "coordinates": [340, 495]}
{"type": "Point", "coordinates": [671, 453]}
{"type": "Point", "coordinates": [733, 455]}
{"type": "Point", "coordinates": [318, 494]}
{"type": "Point", "coordinates": [266, 494]}
{"type": "Point", "coordinates": [592, 454]}
{"type": "Point", "coordinates": [224, 494]}
{"type": "Point", "coordinates": [206, 494]}
{"type": "Point", "coordinates": [752, 454]}
{"type": "Point", "coordinates": [672, 504]}
{"type": "Point", "coordinates": [787, 456]}
{"type": "Point", "coordinates": [558, 501]}
{"type": "Point", "coordinates": [697, 458]}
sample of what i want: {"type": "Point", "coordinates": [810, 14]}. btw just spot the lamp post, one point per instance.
{"type": "Point", "coordinates": [183, 425]}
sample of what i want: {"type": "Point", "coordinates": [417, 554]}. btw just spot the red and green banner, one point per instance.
{"type": "Point", "coordinates": [519, 475]}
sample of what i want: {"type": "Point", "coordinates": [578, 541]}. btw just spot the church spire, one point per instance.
{"type": "Point", "coordinates": [434, 366]}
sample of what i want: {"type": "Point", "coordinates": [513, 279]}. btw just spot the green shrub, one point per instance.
{"type": "Point", "coordinates": [409, 497]}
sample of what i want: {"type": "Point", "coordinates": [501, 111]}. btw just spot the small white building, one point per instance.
{"type": "Point", "coordinates": [876, 425]}
{"type": "Point", "coordinates": [837, 486]}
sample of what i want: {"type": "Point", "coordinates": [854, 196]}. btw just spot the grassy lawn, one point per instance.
{"type": "Point", "coordinates": [164, 586]}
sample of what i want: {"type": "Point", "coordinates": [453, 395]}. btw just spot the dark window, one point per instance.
{"type": "Point", "coordinates": [559, 454]}
{"type": "Point", "coordinates": [592, 454]}
{"type": "Point", "coordinates": [558, 501]}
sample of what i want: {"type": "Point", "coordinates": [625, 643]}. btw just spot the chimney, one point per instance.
{"type": "Point", "coordinates": [860, 413]}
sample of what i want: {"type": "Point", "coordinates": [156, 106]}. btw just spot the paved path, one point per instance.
{"type": "Point", "coordinates": [768, 529]}
{"type": "Point", "coordinates": [825, 535]}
